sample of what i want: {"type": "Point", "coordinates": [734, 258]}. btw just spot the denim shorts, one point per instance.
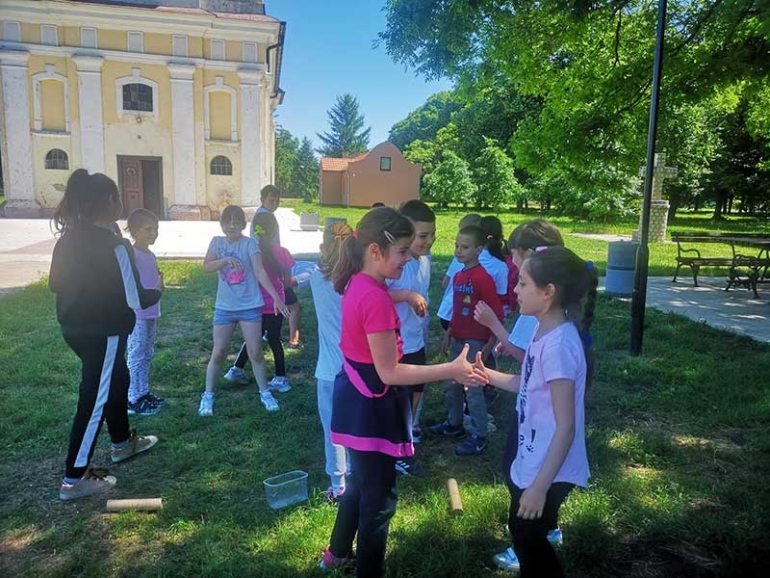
{"type": "Point", "coordinates": [222, 317]}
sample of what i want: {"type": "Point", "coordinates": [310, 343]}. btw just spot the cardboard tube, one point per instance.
{"type": "Point", "coordinates": [455, 502]}
{"type": "Point", "coordinates": [147, 504]}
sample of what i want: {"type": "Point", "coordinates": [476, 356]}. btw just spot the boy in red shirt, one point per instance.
{"type": "Point", "coordinates": [471, 285]}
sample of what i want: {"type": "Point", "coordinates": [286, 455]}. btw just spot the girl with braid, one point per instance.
{"type": "Point", "coordinates": [559, 289]}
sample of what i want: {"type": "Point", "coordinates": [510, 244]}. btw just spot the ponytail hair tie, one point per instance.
{"type": "Point", "coordinates": [490, 237]}
{"type": "Point", "coordinates": [355, 234]}
{"type": "Point", "coordinates": [590, 265]}
{"type": "Point", "coordinates": [541, 248]}
{"type": "Point", "coordinates": [587, 340]}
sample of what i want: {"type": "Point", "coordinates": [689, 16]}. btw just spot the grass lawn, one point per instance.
{"type": "Point", "coordinates": [678, 442]}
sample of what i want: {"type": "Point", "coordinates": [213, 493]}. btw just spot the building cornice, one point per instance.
{"type": "Point", "coordinates": [116, 17]}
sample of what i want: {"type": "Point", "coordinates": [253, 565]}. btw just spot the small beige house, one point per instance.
{"type": "Point", "coordinates": [381, 175]}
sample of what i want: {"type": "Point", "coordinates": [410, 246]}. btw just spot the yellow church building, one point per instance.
{"type": "Point", "coordinates": [173, 99]}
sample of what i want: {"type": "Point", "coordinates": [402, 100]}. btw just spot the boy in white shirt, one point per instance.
{"type": "Point", "coordinates": [410, 294]}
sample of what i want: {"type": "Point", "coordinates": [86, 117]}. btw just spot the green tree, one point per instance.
{"type": "Point", "coordinates": [286, 151]}
{"type": "Point", "coordinates": [497, 186]}
{"type": "Point", "coordinates": [587, 66]}
{"type": "Point", "coordinates": [424, 122]}
{"type": "Point", "coordinates": [346, 135]}
{"type": "Point", "coordinates": [307, 171]}
{"type": "Point", "coordinates": [451, 181]}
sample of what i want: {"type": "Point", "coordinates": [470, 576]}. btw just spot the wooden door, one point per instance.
{"type": "Point", "coordinates": [133, 192]}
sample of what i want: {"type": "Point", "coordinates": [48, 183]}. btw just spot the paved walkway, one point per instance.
{"type": "Point", "coordinates": [26, 246]}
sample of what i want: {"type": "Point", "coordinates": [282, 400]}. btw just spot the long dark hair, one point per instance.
{"type": "Point", "coordinates": [383, 226]}
{"type": "Point", "coordinates": [335, 234]}
{"type": "Point", "coordinates": [86, 199]}
{"type": "Point", "coordinates": [493, 233]}
{"type": "Point", "coordinates": [534, 234]}
{"type": "Point", "coordinates": [266, 220]}
{"type": "Point", "coordinates": [575, 281]}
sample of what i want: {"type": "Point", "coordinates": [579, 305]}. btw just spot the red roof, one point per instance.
{"type": "Point", "coordinates": [339, 164]}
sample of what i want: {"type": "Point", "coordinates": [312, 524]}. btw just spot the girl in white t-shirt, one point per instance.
{"type": "Point", "coordinates": [551, 458]}
{"type": "Point", "coordinates": [328, 309]}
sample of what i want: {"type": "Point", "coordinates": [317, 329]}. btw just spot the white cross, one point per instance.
{"type": "Point", "coordinates": [660, 172]}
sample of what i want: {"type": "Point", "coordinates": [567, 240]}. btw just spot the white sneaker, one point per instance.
{"type": "Point", "coordinates": [237, 375]}
{"type": "Point", "coordinates": [94, 481]}
{"type": "Point", "coordinates": [279, 384]}
{"type": "Point", "coordinates": [267, 399]}
{"type": "Point", "coordinates": [206, 407]}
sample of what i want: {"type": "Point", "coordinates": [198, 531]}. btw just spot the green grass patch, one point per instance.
{"type": "Point", "coordinates": [678, 443]}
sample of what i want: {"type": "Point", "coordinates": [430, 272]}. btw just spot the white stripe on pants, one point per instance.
{"type": "Point", "coordinates": [89, 437]}
{"type": "Point", "coordinates": [140, 348]}
{"type": "Point", "coordinates": [337, 458]}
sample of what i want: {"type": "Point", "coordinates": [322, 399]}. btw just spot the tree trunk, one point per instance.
{"type": "Point", "coordinates": [720, 205]}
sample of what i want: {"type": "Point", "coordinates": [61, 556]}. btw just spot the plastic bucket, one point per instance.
{"type": "Point", "coordinates": [621, 264]}
{"type": "Point", "coordinates": [286, 489]}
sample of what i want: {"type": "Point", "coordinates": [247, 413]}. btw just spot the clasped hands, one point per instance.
{"type": "Point", "coordinates": [469, 374]}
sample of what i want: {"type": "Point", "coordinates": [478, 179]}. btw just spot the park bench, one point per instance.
{"type": "Point", "coordinates": [746, 270]}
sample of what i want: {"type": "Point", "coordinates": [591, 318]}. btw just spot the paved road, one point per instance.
{"type": "Point", "coordinates": [26, 246]}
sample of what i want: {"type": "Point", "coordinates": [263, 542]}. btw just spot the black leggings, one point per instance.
{"type": "Point", "coordinates": [530, 537]}
{"type": "Point", "coordinates": [271, 324]}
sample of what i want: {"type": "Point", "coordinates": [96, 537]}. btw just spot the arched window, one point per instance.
{"type": "Point", "coordinates": [221, 166]}
{"type": "Point", "coordinates": [137, 97]}
{"type": "Point", "coordinates": [57, 159]}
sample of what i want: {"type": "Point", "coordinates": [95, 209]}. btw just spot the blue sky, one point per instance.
{"type": "Point", "coordinates": [328, 51]}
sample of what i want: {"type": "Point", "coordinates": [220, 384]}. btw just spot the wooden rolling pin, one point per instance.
{"type": "Point", "coordinates": [455, 502]}
{"type": "Point", "coordinates": [146, 504]}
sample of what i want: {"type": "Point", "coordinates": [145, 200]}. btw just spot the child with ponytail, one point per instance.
{"type": "Point", "coordinates": [371, 410]}
{"type": "Point", "coordinates": [559, 290]}
{"type": "Point", "coordinates": [328, 309]}
{"type": "Point", "coordinates": [97, 287]}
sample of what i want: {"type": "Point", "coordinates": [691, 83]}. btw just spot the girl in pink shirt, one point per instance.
{"type": "Point", "coordinates": [371, 412]}
{"type": "Point", "coordinates": [278, 263]}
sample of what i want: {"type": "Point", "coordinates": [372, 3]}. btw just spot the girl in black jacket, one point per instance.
{"type": "Point", "coordinates": [97, 289]}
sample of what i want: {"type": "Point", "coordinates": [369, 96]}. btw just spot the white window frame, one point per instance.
{"type": "Point", "coordinates": [11, 31]}
{"type": "Point", "coordinates": [137, 44]}
{"type": "Point", "coordinates": [84, 40]}
{"type": "Point", "coordinates": [220, 44]}
{"type": "Point", "coordinates": [136, 78]}
{"type": "Point", "coordinates": [246, 57]}
{"type": "Point", "coordinates": [219, 85]}
{"type": "Point", "coordinates": [37, 105]}
{"type": "Point", "coordinates": [52, 32]}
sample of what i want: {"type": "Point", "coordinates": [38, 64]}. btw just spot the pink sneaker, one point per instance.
{"type": "Point", "coordinates": [331, 562]}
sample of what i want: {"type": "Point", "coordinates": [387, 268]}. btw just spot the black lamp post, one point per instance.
{"type": "Point", "coordinates": [639, 296]}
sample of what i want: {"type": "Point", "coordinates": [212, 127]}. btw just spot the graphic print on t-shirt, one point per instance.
{"type": "Point", "coordinates": [529, 446]}
{"type": "Point", "coordinates": [234, 272]}
{"type": "Point", "coordinates": [466, 288]}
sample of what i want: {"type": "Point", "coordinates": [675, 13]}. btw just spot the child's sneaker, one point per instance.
{"type": "Point", "coordinates": [279, 384]}
{"type": "Point", "coordinates": [267, 399]}
{"type": "Point", "coordinates": [446, 429]}
{"type": "Point", "coordinates": [155, 400]}
{"type": "Point", "coordinates": [331, 562]}
{"type": "Point", "coordinates": [408, 467]}
{"type": "Point", "coordinates": [416, 434]}
{"type": "Point", "coordinates": [237, 375]}
{"type": "Point", "coordinates": [206, 407]}
{"type": "Point", "coordinates": [143, 406]}
{"type": "Point", "coordinates": [555, 537]}
{"type": "Point", "coordinates": [472, 446]}
{"type": "Point", "coordinates": [135, 445]}
{"type": "Point", "coordinates": [94, 481]}
{"type": "Point", "coordinates": [507, 560]}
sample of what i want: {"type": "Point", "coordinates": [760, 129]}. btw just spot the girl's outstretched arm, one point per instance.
{"type": "Point", "coordinates": [563, 400]}
{"type": "Point", "coordinates": [499, 380]}
{"type": "Point", "coordinates": [385, 356]}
